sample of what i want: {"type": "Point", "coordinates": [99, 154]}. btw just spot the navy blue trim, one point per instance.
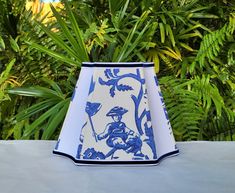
{"type": "Point", "coordinates": [117, 64]}
{"type": "Point", "coordinates": [92, 162]}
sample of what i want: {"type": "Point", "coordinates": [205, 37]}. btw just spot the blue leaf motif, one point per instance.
{"type": "Point", "coordinates": [101, 81]}
{"type": "Point", "coordinates": [108, 83]}
{"type": "Point", "coordinates": [122, 87]}
{"type": "Point", "coordinates": [112, 91]}
{"type": "Point", "coordinates": [108, 73]}
{"type": "Point", "coordinates": [92, 86]}
{"type": "Point", "coordinates": [116, 71]}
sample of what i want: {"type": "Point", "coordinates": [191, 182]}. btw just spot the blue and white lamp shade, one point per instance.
{"type": "Point", "coordinates": [116, 116]}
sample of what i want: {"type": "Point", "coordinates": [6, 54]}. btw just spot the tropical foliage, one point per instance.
{"type": "Point", "coordinates": [191, 43]}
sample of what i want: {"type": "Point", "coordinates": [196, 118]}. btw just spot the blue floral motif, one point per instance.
{"type": "Point", "coordinates": [114, 78]}
{"type": "Point", "coordinates": [91, 153]}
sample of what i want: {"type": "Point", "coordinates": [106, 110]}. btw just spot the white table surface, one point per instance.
{"type": "Point", "coordinates": [201, 167]}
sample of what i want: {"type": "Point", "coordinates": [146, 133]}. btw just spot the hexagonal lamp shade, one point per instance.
{"type": "Point", "coordinates": [116, 116]}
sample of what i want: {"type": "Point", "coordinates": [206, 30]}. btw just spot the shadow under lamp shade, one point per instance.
{"type": "Point", "coordinates": [116, 116]}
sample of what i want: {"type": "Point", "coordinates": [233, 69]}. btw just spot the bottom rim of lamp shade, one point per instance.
{"type": "Point", "coordinates": [101, 162]}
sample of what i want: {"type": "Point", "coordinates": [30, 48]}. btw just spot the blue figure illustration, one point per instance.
{"type": "Point", "coordinates": [112, 81]}
{"type": "Point", "coordinates": [119, 136]}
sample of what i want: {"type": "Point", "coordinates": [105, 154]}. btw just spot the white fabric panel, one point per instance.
{"type": "Point", "coordinates": [163, 134]}
{"type": "Point", "coordinates": [75, 118]}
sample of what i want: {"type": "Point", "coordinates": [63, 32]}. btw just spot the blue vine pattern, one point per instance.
{"type": "Point", "coordinates": [113, 83]}
{"type": "Point", "coordinates": [117, 135]}
{"type": "Point", "coordinates": [114, 78]}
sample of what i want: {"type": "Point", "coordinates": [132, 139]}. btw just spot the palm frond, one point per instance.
{"type": "Point", "coordinates": [133, 39]}
{"type": "Point", "coordinates": [50, 112]}
{"type": "Point", "coordinates": [208, 93]}
{"type": "Point", "coordinates": [75, 50]}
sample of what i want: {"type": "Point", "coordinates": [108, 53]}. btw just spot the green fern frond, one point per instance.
{"type": "Point", "coordinates": [208, 94]}
{"type": "Point", "coordinates": [185, 112]}
{"type": "Point", "coordinates": [166, 60]}
{"type": "Point", "coordinates": [212, 43]}
{"type": "Point", "coordinates": [220, 128]}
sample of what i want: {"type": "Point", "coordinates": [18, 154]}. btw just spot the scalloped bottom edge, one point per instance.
{"type": "Point", "coordinates": [120, 163]}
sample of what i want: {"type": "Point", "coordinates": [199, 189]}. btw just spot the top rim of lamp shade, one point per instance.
{"type": "Point", "coordinates": [117, 64]}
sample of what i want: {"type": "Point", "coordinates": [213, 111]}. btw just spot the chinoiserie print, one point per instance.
{"type": "Point", "coordinates": [116, 116]}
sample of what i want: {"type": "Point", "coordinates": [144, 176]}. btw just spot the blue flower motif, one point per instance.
{"type": "Point", "coordinates": [91, 153]}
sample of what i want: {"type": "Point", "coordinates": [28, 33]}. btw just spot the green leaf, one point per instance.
{"type": "Point", "coordinates": [77, 51]}
{"type": "Point", "coordinates": [168, 29]}
{"type": "Point", "coordinates": [18, 128]}
{"type": "Point", "coordinates": [187, 47]}
{"type": "Point", "coordinates": [130, 44]}
{"type": "Point", "coordinates": [116, 5]}
{"type": "Point", "coordinates": [36, 108]}
{"type": "Point", "coordinates": [204, 16]}
{"type": "Point", "coordinates": [2, 44]}
{"type": "Point", "coordinates": [162, 32]}
{"type": "Point", "coordinates": [36, 91]}
{"type": "Point", "coordinates": [57, 119]}
{"type": "Point", "coordinates": [55, 54]}
{"type": "Point", "coordinates": [14, 45]}
{"type": "Point", "coordinates": [78, 33]}
{"type": "Point", "coordinates": [6, 73]}
{"type": "Point", "coordinates": [190, 35]}
{"type": "Point", "coordinates": [59, 41]}
{"type": "Point", "coordinates": [35, 126]}
{"type": "Point", "coordinates": [55, 86]}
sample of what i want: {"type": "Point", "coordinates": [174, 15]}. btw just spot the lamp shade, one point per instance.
{"type": "Point", "coordinates": [116, 116]}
